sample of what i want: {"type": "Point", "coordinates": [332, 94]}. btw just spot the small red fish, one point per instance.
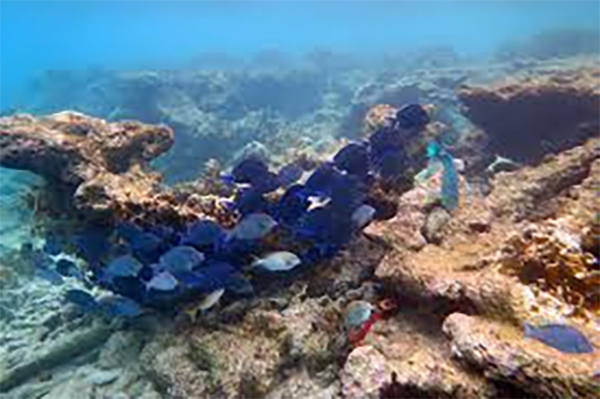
{"type": "Point", "coordinates": [357, 335]}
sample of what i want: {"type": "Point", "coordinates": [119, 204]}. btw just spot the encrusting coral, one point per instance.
{"type": "Point", "coordinates": [540, 257]}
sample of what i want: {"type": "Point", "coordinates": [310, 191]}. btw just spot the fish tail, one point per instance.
{"type": "Point", "coordinates": [528, 329]}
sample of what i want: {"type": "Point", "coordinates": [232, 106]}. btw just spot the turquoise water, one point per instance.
{"type": "Point", "coordinates": [39, 35]}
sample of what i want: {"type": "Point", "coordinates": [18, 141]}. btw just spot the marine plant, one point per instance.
{"type": "Point", "coordinates": [541, 258]}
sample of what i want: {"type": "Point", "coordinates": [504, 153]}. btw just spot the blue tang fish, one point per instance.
{"type": "Point", "coordinates": [204, 233]}
{"type": "Point", "coordinates": [353, 158]}
{"type": "Point", "coordinates": [68, 268]}
{"type": "Point", "coordinates": [412, 116]}
{"type": "Point", "coordinates": [52, 276]}
{"type": "Point", "coordinates": [250, 201]}
{"type": "Point", "coordinates": [81, 298]}
{"type": "Point", "coordinates": [163, 281]}
{"type": "Point", "coordinates": [120, 306]}
{"type": "Point", "coordinates": [52, 245]}
{"type": "Point", "coordinates": [123, 266]}
{"type": "Point", "coordinates": [250, 170]}
{"type": "Point", "coordinates": [181, 258]}
{"type": "Point", "coordinates": [562, 337]}
{"type": "Point", "coordinates": [93, 243]}
{"type": "Point", "coordinates": [292, 205]}
{"type": "Point", "coordinates": [252, 227]}
{"type": "Point", "coordinates": [289, 174]}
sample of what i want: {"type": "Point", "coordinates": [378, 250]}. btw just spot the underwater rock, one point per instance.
{"type": "Point", "coordinates": [302, 385]}
{"type": "Point", "coordinates": [63, 351]}
{"type": "Point", "coordinates": [101, 163]}
{"type": "Point", "coordinates": [245, 359]}
{"type": "Point", "coordinates": [503, 354]}
{"type": "Point", "coordinates": [525, 118]}
{"type": "Point", "coordinates": [365, 371]}
{"type": "Point", "coordinates": [435, 222]}
{"type": "Point", "coordinates": [532, 191]}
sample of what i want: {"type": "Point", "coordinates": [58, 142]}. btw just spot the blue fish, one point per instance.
{"type": "Point", "coordinates": [68, 268]}
{"type": "Point", "coordinates": [292, 205]}
{"type": "Point", "coordinates": [250, 171]}
{"type": "Point", "coordinates": [321, 180]}
{"type": "Point", "coordinates": [562, 337]}
{"type": "Point", "coordinates": [289, 174]}
{"type": "Point", "coordinates": [52, 245]}
{"type": "Point", "coordinates": [325, 225]}
{"type": "Point", "coordinates": [383, 140]}
{"type": "Point", "coordinates": [391, 164]}
{"type": "Point", "coordinates": [128, 231]}
{"type": "Point", "coordinates": [130, 287]}
{"type": "Point", "coordinates": [412, 116]}
{"type": "Point", "coordinates": [214, 276]}
{"type": "Point", "coordinates": [82, 299]}
{"type": "Point", "coordinates": [123, 266]}
{"type": "Point", "coordinates": [449, 191]}
{"type": "Point", "coordinates": [204, 233]}
{"type": "Point", "coordinates": [164, 281]}
{"type": "Point", "coordinates": [181, 258]}
{"type": "Point", "coordinates": [267, 183]}
{"type": "Point", "coordinates": [165, 233]}
{"type": "Point", "coordinates": [93, 244]}
{"type": "Point", "coordinates": [347, 192]}
{"type": "Point", "coordinates": [251, 201]}
{"type": "Point", "coordinates": [252, 227]}
{"type": "Point", "coordinates": [147, 247]}
{"type": "Point", "coordinates": [49, 275]}
{"type": "Point", "coordinates": [120, 306]}
{"type": "Point", "coordinates": [353, 158]}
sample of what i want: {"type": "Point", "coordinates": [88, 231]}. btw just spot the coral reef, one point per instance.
{"type": "Point", "coordinates": [463, 281]}
{"type": "Point", "coordinates": [552, 259]}
{"type": "Point", "coordinates": [98, 169]}
{"type": "Point", "coordinates": [101, 165]}
{"type": "Point", "coordinates": [526, 117]}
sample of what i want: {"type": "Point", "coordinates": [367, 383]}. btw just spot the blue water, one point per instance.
{"type": "Point", "coordinates": [39, 35]}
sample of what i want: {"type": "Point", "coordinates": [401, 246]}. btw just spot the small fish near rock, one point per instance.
{"type": "Point", "coordinates": [163, 281]}
{"type": "Point", "coordinates": [562, 337]}
{"type": "Point", "coordinates": [281, 261]}
{"type": "Point", "coordinates": [252, 227]}
{"type": "Point", "coordinates": [359, 318]}
{"type": "Point", "coordinates": [181, 258]}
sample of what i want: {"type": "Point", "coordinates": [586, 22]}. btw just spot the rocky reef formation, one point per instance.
{"type": "Point", "coordinates": [525, 117]}
{"type": "Point", "coordinates": [96, 168]}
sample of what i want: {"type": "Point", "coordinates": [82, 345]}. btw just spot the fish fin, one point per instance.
{"type": "Point", "coordinates": [528, 329]}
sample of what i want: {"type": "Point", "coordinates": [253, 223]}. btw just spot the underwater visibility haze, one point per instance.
{"type": "Point", "coordinates": [269, 199]}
